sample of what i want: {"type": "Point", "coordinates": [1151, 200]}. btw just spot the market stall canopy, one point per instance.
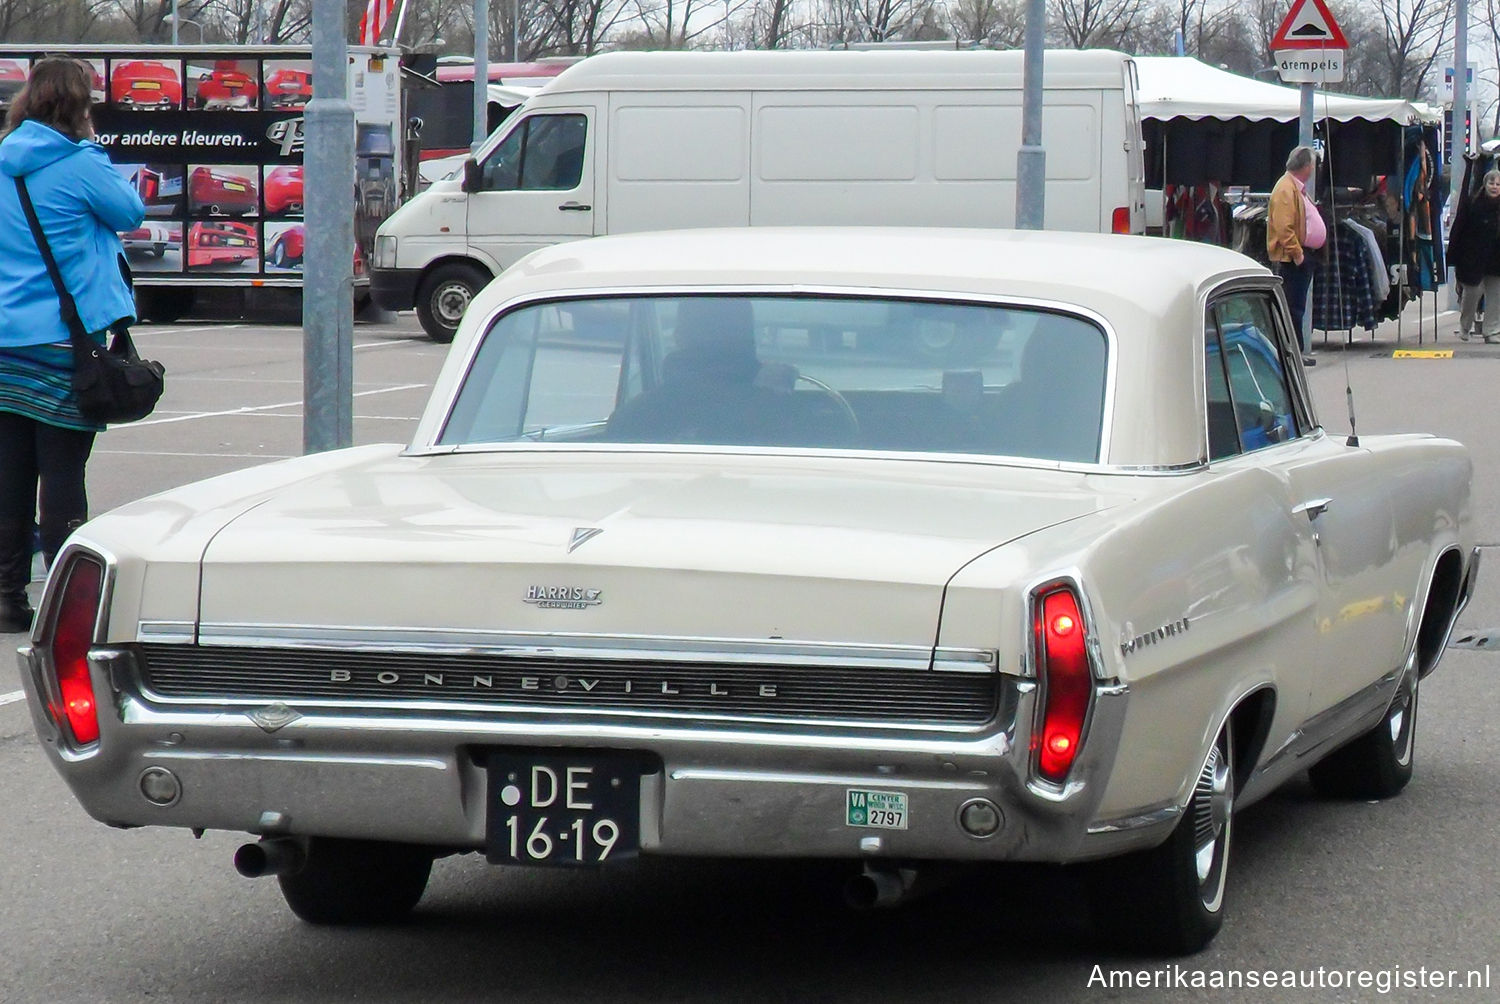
{"type": "Point", "coordinates": [1182, 87]}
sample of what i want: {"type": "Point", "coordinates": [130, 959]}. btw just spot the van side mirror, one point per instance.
{"type": "Point", "coordinates": [473, 179]}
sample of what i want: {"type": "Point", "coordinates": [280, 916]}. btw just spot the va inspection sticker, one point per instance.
{"type": "Point", "coordinates": [881, 810]}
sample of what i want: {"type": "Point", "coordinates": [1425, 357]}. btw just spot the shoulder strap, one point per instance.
{"type": "Point", "coordinates": [69, 308]}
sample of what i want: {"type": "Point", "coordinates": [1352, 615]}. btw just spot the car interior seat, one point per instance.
{"type": "Point", "coordinates": [1054, 408]}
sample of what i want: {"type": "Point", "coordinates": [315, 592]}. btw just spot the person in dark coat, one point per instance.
{"type": "Point", "coordinates": [1474, 253]}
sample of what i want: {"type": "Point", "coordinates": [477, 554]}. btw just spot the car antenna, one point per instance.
{"type": "Point", "coordinates": [1333, 211]}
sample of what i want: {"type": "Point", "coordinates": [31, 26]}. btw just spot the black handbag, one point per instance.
{"type": "Point", "coordinates": [111, 384]}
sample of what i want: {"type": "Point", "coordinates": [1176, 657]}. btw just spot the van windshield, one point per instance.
{"type": "Point", "coordinates": [819, 372]}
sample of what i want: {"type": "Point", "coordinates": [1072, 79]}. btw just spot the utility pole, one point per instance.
{"type": "Point", "coordinates": [481, 72]}
{"type": "Point", "coordinates": [1031, 158]}
{"type": "Point", "coordinates": [328, 286]}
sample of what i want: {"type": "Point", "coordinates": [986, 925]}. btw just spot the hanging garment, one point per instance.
{"type": "Point", "coordinates": [1380, 277]}
{"type": "Point", "coordinates": [1343, 290]}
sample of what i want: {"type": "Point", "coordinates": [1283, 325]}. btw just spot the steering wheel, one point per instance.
{"type": "Point", "coordinates": [838, 399]}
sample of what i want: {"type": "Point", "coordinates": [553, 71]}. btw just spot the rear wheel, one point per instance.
{"type": "Point", "coordinates": [445, 295]}
{"type": "Point", "coordinates": [1170, 900]}
{"type": "Point", "coordinates": [1379, 763]}
{"type": "Point", "coordinates": [357, 881]}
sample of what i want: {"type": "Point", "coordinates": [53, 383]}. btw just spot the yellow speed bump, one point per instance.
{"type": "Point", "coordinates": [1422, 354]}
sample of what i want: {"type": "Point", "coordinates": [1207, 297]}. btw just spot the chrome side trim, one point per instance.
{"type": "Point", "coordinates": [167, 632]}
{"type": "Point", "coordinates": [625, 648]}
{"type": "Point", "coordinates": [1138, 821]}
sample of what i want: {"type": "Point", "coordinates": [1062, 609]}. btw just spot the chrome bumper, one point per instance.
{"type": "Point", "coordinates": [722, 792]}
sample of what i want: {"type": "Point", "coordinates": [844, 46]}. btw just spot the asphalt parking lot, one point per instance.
{"type": "Point", "coordinates": [234, 398]}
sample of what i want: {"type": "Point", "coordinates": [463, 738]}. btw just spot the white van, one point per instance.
{"type": "Point", "coordinates": [667, 140]}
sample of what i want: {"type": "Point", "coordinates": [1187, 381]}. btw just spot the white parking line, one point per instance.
{"type": "Point", "coordinates": [12, 697]}
{"type": "Point", "coordinates": [250, 410]}
{"type": "Point", "coordinates": [168, 329]}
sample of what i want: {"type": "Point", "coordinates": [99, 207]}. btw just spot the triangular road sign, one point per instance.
{"type": "Point", "coordinates": [1309, 25]}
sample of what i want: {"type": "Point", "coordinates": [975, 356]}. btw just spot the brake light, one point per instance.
{"type": "Point", "coordinates": [1119, 223]}
{"type": "Point", "coordinates": [72, 634]}
{"type": "Point", "coordinates": [1067, 682]}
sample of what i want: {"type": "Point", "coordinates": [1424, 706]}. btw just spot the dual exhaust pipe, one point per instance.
{"type": "Point", "coordinates": [270, 856]}
{"type": "Point", "coordinates": [874, 887]}
{"type": "Point", "coordinates": [883, 886]}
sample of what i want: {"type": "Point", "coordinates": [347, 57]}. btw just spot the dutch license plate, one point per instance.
{"type": "Point", "coordinates": [881, 810]}
{"type": "Point", "coordinates": [580, 808]}
{"type": "Point", "coordinates": [147, 85]}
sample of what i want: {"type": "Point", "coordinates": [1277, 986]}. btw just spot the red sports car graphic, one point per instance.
{"type": "Point", "coordinates": [145, 83]}
{"type": "Point", "coordinates": [288, 247]}
{"type": "Point", "coordinates": [288, 88]}
{"type": "Point", "coordinates": [226, 86]}
{"type": "Point", "coordinates": [12, 79]}
{"type": "Point", "coordinates": [284, 189]}
{"type": "Point", "coordinates": [220, 242]}
{"type": "Point", "coordinates": [222, 192]}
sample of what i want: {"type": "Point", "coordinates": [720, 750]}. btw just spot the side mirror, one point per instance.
{"type": "Point", "coordinates": [473, 179]}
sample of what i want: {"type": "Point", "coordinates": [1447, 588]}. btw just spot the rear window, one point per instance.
{"type": "Point", "coordinates": [820, 372]}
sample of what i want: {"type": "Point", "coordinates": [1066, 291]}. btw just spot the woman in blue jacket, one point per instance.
{"type": "Point", "coordinates": [81, 202]}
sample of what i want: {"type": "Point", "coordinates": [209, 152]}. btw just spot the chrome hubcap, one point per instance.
{"type": "Point", "coordinates": [1212, 806]}
{"type": "Point", "coordinates": [452, 301]}
{"type": "Point", "coordinates": [1402, 719]}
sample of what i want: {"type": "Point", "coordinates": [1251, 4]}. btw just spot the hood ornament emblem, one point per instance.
{"type": "Point", "coordinates": [582, 535]}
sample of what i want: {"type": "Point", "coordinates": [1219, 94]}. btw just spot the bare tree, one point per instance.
{"type": "Point", "coordinates": [679, 24]}
{"type": "Point", "coordinates": [1000, 23]}
{"type": "Point", "coordinates": [772, 24]}
{"type": "Point", "coordinates": [575, 27]}
{"type": "Point", "coordinates": [1087, 24]}
{"type": "Point", "coordinates": [1416, 33]}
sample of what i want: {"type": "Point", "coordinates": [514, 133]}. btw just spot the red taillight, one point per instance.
{"type": "Point", "coordinates": [1067, 682]}
{"type": "Point", "coordinates": [72, 634]}
{"type": "Point", "coordinates": [1119, 223]}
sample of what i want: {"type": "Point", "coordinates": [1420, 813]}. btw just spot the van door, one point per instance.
{"type": "Point", "coordinates": [536, 186]}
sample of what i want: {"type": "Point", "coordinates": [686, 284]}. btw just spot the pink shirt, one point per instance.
{"type": "Point", "coordinates": [1317, 233]}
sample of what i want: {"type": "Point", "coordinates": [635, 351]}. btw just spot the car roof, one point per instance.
{"type": "Point", "coordinates": [1106, 273]}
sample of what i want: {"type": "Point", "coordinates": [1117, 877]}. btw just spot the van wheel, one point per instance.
{"type": "Point", "coordinates": [445, 295]}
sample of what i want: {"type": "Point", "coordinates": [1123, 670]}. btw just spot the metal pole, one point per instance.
{"type": "Point", "coordinates": [1460, 93]}
{"type": "Point", "coordinates": [515, 31]}
{"type": "Point", "coordinates": [481, 72]}
{"type": "Point", "coordinates": [174, 22]}
{"type": "Point", "coordinates": [328, 286]}
{"type": "Point", "coordinates": [1031, 158]}
{"type": "Point", "coordinates": [1458, 146]}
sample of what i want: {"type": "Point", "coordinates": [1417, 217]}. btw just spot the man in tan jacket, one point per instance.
{"type": "Point", "coordinates": [1294, 228]}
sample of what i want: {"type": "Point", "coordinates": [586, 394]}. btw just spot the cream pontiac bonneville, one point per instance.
{"type": "Point", "coordinates": [890, 546]}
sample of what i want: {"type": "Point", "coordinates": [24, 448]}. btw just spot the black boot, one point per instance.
{"type": "Point", "coordinates": [15, 575]}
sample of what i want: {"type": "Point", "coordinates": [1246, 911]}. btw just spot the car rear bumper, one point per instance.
{"type": "Point", "coordinates": [720, 791]}
{"type": "Point", "coordinates": [394, 288]}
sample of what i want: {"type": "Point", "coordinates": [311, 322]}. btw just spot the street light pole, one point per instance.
{"type": "Point", "coordinates": [1031, 158]}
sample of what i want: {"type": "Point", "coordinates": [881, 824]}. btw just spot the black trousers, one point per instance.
{"type": "Point", "coordinates": [41, 477]}
{"type": "Point", "coordinates": [1297, 279]}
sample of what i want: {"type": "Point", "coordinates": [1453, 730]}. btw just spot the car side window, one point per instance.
{"type": "Point", "coordinates": [543, 153]}
{"type": "Point", "coordinates": [1243, 359]}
